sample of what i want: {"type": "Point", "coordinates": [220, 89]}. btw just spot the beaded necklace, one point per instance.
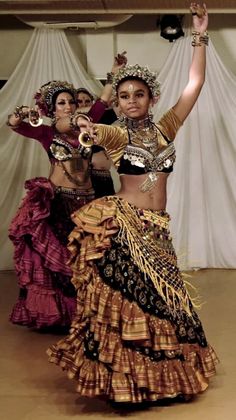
{"type": "Point", "coordinates": [143, 132]}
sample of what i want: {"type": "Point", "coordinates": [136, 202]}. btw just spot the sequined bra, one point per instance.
{"type": "Point", "coordinates": [62, 150]}
{"type": "Point", "coordinates": [139, 160]}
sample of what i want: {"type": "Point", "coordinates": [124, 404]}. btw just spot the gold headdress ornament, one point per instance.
{"type": "Point", "coordinates": [142, 73]}
{"type": "Point", "coordinates": [44, 96]}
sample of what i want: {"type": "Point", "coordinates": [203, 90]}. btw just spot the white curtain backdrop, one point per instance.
{"type": "Point", "coordinates": [48, 56]}
{"type": "Point", "coordinates": [201, 191]}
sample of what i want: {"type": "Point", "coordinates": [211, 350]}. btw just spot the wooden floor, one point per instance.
{"type": "Point", "coordinates": [33, 389]}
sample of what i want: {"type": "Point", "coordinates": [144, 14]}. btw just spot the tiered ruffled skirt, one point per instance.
{"type": "Point", "coordinates": [135, 336]}
{"type": "Point", "coordinates": [39, 233]}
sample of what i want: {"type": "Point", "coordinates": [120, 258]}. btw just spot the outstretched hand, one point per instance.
{"type": "Point", "coordinates": [86, 126]}
{"type": "Point", "coordinates": [120, 61]}
{"type": "Point", "coordinates": [200, 17]}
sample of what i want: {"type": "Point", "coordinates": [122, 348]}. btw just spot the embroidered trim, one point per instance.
{"type": "Point", "coordinates": [62, 150]}
{"type": "Point", "coordinates": [144, 159]}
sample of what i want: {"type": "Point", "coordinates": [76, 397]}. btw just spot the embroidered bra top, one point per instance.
{"type": "Point", "coordinates": [55, 144]}
{"type": "Point", "coordinates": [61, 150]}
{"type": "Point", "coordinates": [143, 149]}
{"type": "Point", "coordinates": [138, 160]}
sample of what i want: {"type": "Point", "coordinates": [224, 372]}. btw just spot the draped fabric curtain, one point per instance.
{"type": "Point", "coordinates": [201, 191]}
{"type": "Point", "coordinates": [48, 56]}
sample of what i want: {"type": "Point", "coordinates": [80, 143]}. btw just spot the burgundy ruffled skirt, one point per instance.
{"type": "Point", "coordinates": [39, 233]}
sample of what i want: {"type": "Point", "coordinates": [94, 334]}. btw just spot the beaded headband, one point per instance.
{"type": "Point", "coordinates": [44, 96]}
{"type": "Point", "coordinates": [139, 72]}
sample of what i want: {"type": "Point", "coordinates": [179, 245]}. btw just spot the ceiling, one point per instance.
{"type": "Point", "coordinates": [109, 6]}
{"type": "Point", "coordinates": [99, 13]}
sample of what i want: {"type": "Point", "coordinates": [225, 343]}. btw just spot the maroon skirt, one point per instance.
{"type": "Point", "coordinates": [39, 234]}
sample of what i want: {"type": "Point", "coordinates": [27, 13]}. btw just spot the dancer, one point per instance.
{"type": "Point", "coordinates": [84, 99]}
{"type": "Point", "coordinates": [100, 110]}
{"type": "Point", "coordinates": [136, 335]}
{"type": "Point", "coordinates": [41, 226]}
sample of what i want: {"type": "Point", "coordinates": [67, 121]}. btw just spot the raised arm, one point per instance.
{"type": "Point", "coordinates": [120, 61]}
{"type": "Point", "coordinates": [27, 122]}
{"type": "Point", "coordinates": [197, 69]}
{"type": "Point", "coordinates": [66, 124]}
{"type": "Point", "coordinates": [99, 107]}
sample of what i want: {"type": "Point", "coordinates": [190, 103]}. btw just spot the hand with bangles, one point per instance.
{"type": "Point", "coordinates": [102, 110]}
{"type": "Point", "coordinates": [22, 113]}
{"type": "Point", "coordinates": [82, 124]}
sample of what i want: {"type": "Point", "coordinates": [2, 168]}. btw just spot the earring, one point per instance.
{"type": "Point", "coordinates": [150, 114]}
{"type": "Point", "coordinates": [121, 118]}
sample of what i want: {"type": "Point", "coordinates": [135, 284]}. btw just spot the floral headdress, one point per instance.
{"type": "Point", "coordinates": [44, 96]}
{"type": "Point", "coordinates": [137, 71]}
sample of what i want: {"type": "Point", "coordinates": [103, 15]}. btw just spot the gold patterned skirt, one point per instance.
{"type": "Point", "coordinates": [136, 335]}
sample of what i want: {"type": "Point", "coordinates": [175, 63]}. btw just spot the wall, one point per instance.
{"type": "Point", "coordinates": [139, 36]}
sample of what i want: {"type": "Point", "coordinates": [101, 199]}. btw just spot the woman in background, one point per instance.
{"type": "Point", "coordinates": [101, 110]}
{"type": "Point", "coordinates": [84, 99]}
{"type": "Point", "coordinates": [41, 226]}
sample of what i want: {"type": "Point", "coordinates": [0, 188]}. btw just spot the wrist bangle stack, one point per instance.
{"type": "Point", "coordinates": [74, 120]}
{"type": "Point", "coordinates": [204, 39]}
{"type": "Point", "coordinates": [19, 113]}
{"type": "Point", "coordinates": [199, 40]}
{"type": "Point", "coordinates": [109, 79]}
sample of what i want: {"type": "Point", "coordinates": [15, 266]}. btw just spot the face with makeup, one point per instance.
{"type": "Point", "coordinates": [64, 105]}
{"type": "Point", "coordinates": [84, 100]}
{"type": "Point", "coordinates": [134, 98]}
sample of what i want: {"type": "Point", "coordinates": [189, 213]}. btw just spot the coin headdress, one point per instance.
{"type": "Point", "coordinates": [139, 72]}
{"type": "Point", "coordinates": [45, 95]}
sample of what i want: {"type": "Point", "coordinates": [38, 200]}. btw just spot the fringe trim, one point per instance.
{"type": "Point", "coordinates": [152, 260]}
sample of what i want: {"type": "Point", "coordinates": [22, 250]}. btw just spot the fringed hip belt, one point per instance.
{"type": "Point", "coordinates": [145, 233]}
{"type": "Point", "coordinates": [75, 192]}
{"type": "Point", "coordinates": [78, 196]}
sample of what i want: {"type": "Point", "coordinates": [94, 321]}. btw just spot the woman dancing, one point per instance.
{"type": "Point", "coordinates": [136, 335]}
{"type": "Point", "coordinates": [41, 226]}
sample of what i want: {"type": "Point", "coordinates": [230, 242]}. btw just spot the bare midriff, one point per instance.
{"type": "Point", "coordinates": [154, 199]}
{"type": "Point", "coordinates": [59, 178]}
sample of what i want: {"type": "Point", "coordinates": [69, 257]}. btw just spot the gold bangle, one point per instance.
{"type": "Point", "coordinates": [109, 79]}
{"type": "Point", "coordinates": [74, 118]}
{"type": "Point", "coordinates": [199, 40]}
{"type": "Point", "coordinates": [19, 113]}
{"type": "Point", "coordinates": [80, 115]}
